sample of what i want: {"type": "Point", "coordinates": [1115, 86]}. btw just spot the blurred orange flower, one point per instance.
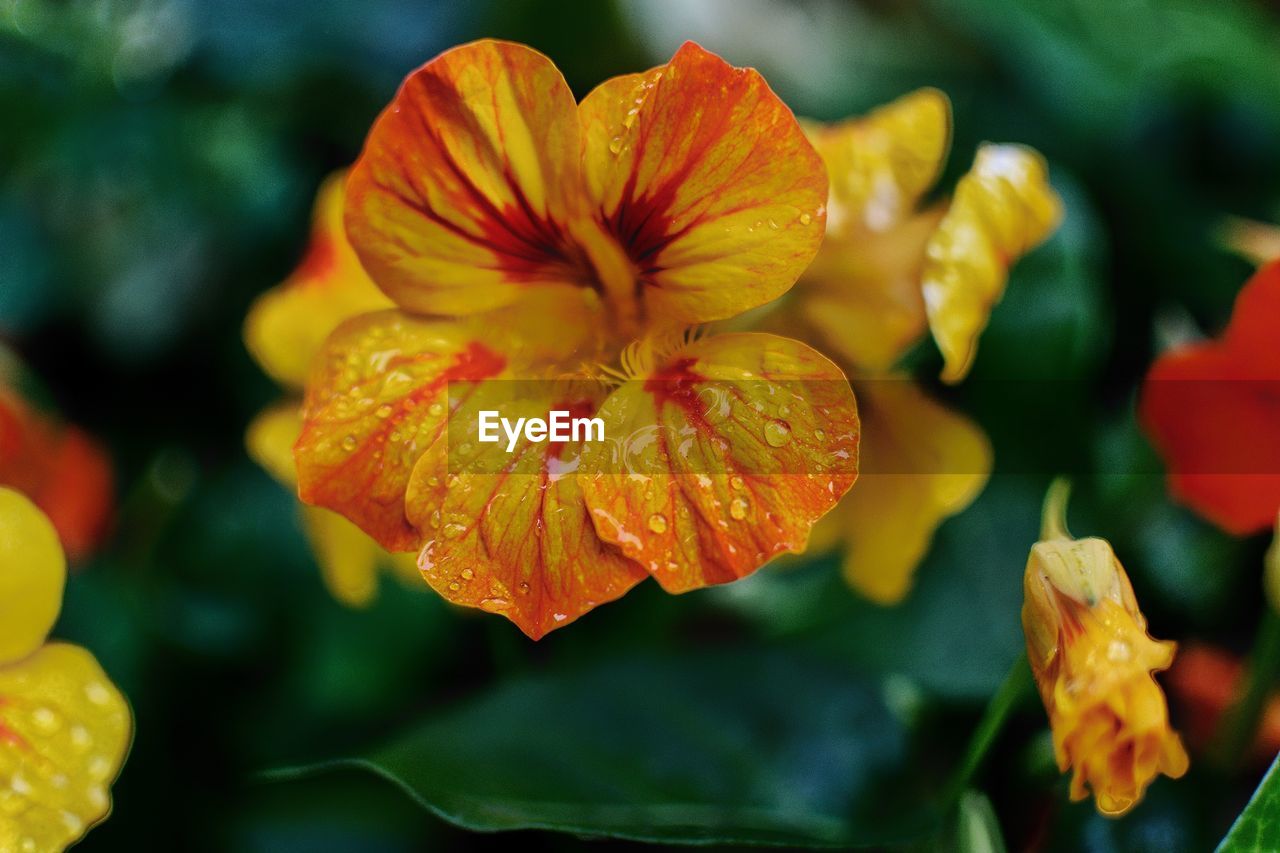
{"type": "Point", "coordinates": [1204, 682]}
{"type": "Point", "coordinates": [64, 727]}
{"type": "Point", "coordinates": [891, 270]}
{"type": "Point", "coordinates": [1093, 660]}
{"type": "Point", "coordinates": [283, 331]}
{"type": "Point", "coordinates": [1212, 410]}
{"type": "Point", "coordinates": [59, 467]}
{"type": "Point", "coordinates": [522, 235]}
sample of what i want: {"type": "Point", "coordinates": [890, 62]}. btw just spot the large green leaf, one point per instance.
{"type": "Point", "coordinates": [1258, 827]}
{"type": "Point", "coordinates": [755, 747]}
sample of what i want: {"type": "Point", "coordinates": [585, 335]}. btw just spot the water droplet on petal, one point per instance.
{"type": "Point", "coordinates": [658, 523]}
{"type": "Point", "coordinates": [615, 145]}
{"type": "Point", "coordinates": [349, 443]}
{"type": "Point", "coordinates": [737, 482]}
{"type": "Point", "coordinates": [383, 411]}
{"type": "Point", "coordinates": [777, 433]}
{"type": "Point", "coordinates": [805, 219]}
{"type": "Point", "coordinates": [467, 574]}
{"type": "Point", "coordinates": [819, 435]}
{"type": "Point", "coordinates": [738, 508]}
{"type": "Point", "coordinates": [435, 410]}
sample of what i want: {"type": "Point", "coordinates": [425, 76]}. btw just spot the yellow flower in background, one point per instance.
{"type": "Point", "coordinates": [891, 270]}
{"type": "Point", "coordinates": [1093, 660]}
{"type": "Point", "coordinates": [283, 331]}
{"type": "Point", "coordinates": [64, 727]}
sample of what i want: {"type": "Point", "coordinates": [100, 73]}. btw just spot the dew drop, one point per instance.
{"type": "Point", "coordinates": [349, 443]}
{"type": "Point", "coordinates": [453, 530]}
{"type": "Point", "coordinates": [819, 435]}
{"type": "Point", "coordinates": [383, 411]}
{"type": "Point", "coordinates": [805, 219]}
{"type": "Point", "coordinates": [467, 574]}
{"type": "Point", "coordinates": [45, 720]}
{"type": "Point", "coordinates": [658, 523]}
{"type": "Point", "coordinates": [615, 145]}
{"type": "Point", "coordinates": [523, 588]}
{"type": "Point", "coordinates": [777, 433]}
{"type": "Point", "coordinates": [454, 586]}
{"type": "Point", "coordinates": [435, 410]}
{"type": "Point", "coordinates": [737, 482]}
{"type": "Point", "coordinates": [738, 508]}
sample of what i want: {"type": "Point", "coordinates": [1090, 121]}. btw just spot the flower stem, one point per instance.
{"type": "Point", "coordinates": [1240, 724]}
{"type": "Point", "coordinates": [1017, 685]}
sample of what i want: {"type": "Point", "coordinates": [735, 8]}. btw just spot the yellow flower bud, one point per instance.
{"type": "Point", "coordinates": [1093, 660]}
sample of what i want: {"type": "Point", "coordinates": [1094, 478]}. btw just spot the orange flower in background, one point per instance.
{"type": "Point", "coordinates": [1204, 682]}
{"type": "Point", "coordinates": [59, 467]}
{"type": "Point", "coordinates": [1093, 660]}
{"type": "Point", "coordinates": [64, 727]}
{"type": "Point", "coordinates": [524, 236]}
{"type": "Point", "coordinates": [283, 331]}
{"type": "Point", "coordinates": [1212, 409]}
{"type": "Point", "coordinates": [892, 270]}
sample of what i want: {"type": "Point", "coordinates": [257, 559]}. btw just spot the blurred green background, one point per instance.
{"type": "Point", "coordinates": [158, 160]}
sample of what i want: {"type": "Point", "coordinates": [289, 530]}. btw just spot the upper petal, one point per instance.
{"type": "Point", "coordinates": [510, 533]}
{"type": "Point", "coordinates": [722, 458]}
{"type": "Point", "coordinates": [469, 181]}
{"type": "Point", "coordinates": [882, 164]}
{"type": "Point", "coordinates": [64, 733]}
{"type": "Point", "coordinates": [286, 325]}
{"type": "Point", "coordinates": [1003, 208]}
{"type": "Point", "coordinates": [32, 575]}
{"type": "Point", "coordinates": [705, 179]}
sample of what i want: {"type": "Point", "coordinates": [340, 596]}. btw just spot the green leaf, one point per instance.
{"type": "Point", "coordinates": [977, 829]}
{"type": "Point", "coordinates": [1258, 827]}
{"type": "Point", "coordinates": [756, 747]}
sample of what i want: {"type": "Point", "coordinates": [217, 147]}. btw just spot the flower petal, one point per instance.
{"type": "Point", "coordinates": [883, 163]}
{"type": "Point", "coordinates": [723, 458]}
{"type": "Point", "coordinates": [270, 439]}
{"type": "Point", "coordinates": [920, 464]}
{"type": "Point", "coordinates": [510, 533]}
{"type": "Point", "coordinates": [704, 177]}
{"type": "Point", "coordinates": [374, 405]}
{"type": "Point", "coordinates": [64, 733]}
{"type": "Point", "coordinates": [1003, 208]}
{"type": "Point", "coordinates": [33, 573]}
{"type": "Point", "coordinates": [286, 325]}
{"type": "Point", "coordinates": [348, 558]}
{"type": "Point", "coordinates": [469, 181]}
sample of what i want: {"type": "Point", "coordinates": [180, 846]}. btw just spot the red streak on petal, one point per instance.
{"type": "Point", "coordinates": [319, 261]}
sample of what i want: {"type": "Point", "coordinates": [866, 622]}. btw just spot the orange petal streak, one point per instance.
{"type": "Point", "coordinates": [705, 179]}
{"type": "Point", "coordinates": [375, 403]}
{"type": "Point", "coordinates": [724, 457]}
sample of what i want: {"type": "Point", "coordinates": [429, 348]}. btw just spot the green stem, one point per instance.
{"type": "Point", "coordinates": [1017, 685]}
{"type": "Point", "coordinates": [1240, 724]}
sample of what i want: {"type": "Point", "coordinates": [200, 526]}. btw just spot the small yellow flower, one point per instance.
{"type": "Point", "coordinates": [64, 728]}
{"type": "Point", "coordinates": [1093, 662]}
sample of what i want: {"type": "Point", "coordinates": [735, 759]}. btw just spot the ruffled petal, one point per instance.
{"type": "Point", "coordinates": [469, 182]}
{"type": "Point", "coordinates": [64, 733]}
{"type": "Point", "coordinates": [722, 458]}
{"type": "Point", "coordinates": [1003, 208]}
{"type": "Point", "coordinates": [704, 178]}
{"type": "Point", "coordinates": [33, 573]}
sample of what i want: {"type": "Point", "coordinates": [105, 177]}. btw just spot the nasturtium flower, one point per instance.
{"type": "Point", "coordinates": [524, 236]}
{"type": "Point", "coordinates": [283, 331]}
{"type": "Point", "coordinates": [59, 467]}
{"type": "Point", "coordinates": [1258, 242]}
{"type": "Point", "coordinates": [1093, 662]}
{"type": "Point", "coordinates": [893, 269]}
{"type": "Point", "coordinates": [1212, 409]}
{"type": "Point", "coordinates": [64, 727]}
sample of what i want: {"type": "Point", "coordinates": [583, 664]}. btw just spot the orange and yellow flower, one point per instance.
{"type": "Point", "coordinates": [64, 727]}
{"type": "Point", "coordinates": [1212, 409]}
{"type": "Point", "coordinates": [283, 331]}
{"type": "Point", "coordinates": [1093, 661]}
{"type": "Point", "coordinates": [893, 269]}
{"type": "Point", "coordinates": [522, 235]}
{"type": "Point", "coordinates": [59, 467]}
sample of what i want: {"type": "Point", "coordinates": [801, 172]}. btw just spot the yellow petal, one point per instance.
{"type": "Point", "coordinates": [921, 464]}
{"type": "Point", "coordinates": [348, 558]}
{"type": "Point", "coordinates": [33, 572]}
{"type": "Point", "coordinates": [1003, 208]}
{"type": "Point", "coordinates": [64, 733]}
{"type": "Point", "coordinates": [882, 164]}
{"type": "Point", "coordinates": [286, 325]}
{"type": "Point", "coordinates": [1257, 242]}
{"type": "Point", "coordinates": [270, 440]}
